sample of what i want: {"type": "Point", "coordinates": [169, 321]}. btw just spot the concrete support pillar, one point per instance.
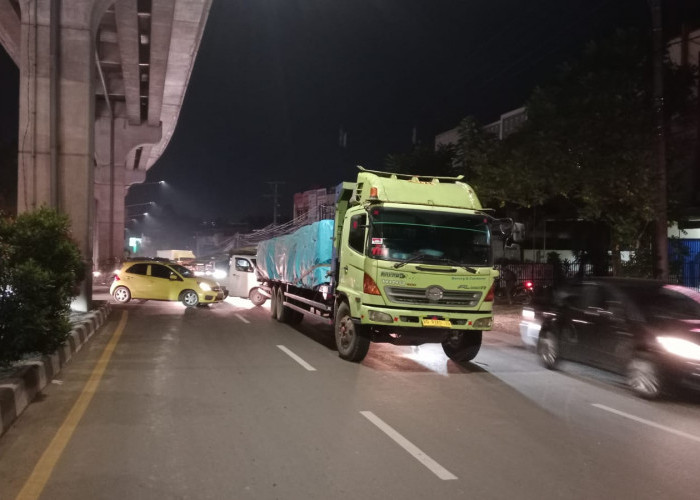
{"type": "Point", "coordinates": [111, 179]}
{"type": "Point", "coordinates": [56, 115]}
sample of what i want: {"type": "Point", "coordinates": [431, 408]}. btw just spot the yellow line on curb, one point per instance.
{"type": "Point", "coordinates": [44, 467]}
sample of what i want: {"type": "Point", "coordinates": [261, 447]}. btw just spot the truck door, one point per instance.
{"type": "Point", "coordinates": [352, 255]}
{"type": "Point", "coordinates": [241, 276]}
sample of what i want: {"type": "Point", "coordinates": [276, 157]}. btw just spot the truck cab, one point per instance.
{"type": "Point", "coordinates": [414, 263]}
{"type": "Point", "coordinates": [243, 279]}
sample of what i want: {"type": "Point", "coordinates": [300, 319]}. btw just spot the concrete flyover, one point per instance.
{"type": "Point", "coordinates": [101, 87]}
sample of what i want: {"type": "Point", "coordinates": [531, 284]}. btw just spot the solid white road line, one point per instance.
{"type": "Point", "coordinates": [648, 422]}
{"type": "Point", "coordinates": [242, 318]}
{"type": "Point", "coordinates": [404, 443]}
{"type": "Point", "coordinates": [297, 358]}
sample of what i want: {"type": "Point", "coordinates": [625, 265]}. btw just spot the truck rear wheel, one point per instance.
{"type": "Point", "coordinates": [351, 345]}
{"type": "Point", "coordinates": [286, 314]}
{"type": "Point", "coordinates": [273, 302]}
{"type": "Point", "coordinates": [462, 346]}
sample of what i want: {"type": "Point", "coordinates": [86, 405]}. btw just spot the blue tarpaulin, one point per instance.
{"type": "Point", "coordinates": [302, 258]}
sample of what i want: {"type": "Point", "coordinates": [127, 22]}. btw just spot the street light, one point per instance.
{"type": "Point", "coordinates": [160, 183]}
{"type": "Point", "coordinates": [149, 203]}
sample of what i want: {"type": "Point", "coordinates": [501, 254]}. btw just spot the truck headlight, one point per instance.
{"type": "Point", "coordinates": [483, 323]}
{"type": "Point", "coordinates": [380, 317]}
{"type": "Point", "coordinates": [680, 347]}
{"type": "Point", "coordinates": [204, 286]}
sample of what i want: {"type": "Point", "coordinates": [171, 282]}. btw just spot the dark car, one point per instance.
{"type": "Point", "coordinates": [647, 330]}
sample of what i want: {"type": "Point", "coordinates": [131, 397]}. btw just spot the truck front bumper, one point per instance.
{"type": "Point", "coordinates": [416, 319]}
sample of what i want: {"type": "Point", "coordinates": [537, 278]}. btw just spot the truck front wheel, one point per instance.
{"type": "Point", "coordinates": [461, 346]}
{"type": "Point", "coordinates": [351, 345]}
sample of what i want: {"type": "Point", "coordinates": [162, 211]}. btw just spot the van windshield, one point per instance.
{"type": "Point", "coordinates": [429, 237]}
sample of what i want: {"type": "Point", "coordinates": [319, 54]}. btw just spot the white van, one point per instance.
{"type": "Point", "coordinates": [243, 280]}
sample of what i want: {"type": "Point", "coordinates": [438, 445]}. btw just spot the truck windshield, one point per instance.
{"type": "Point", "coordinates": [429, 237]}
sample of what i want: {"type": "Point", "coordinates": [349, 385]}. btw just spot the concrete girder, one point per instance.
{"type": "Point", "coordinates": [10, 29]}
{"type": "Point", "coordinates": [126, 138]}
{"type": "Point", "coordinates": [126, 17]}
{"type": "Point", "coordinates": [162, 15]}
{"type": "Point", "coordinates": [189, 20]}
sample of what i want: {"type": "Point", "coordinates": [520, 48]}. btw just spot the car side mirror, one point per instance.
{"type": "Point", "coordinates": [173, 277]}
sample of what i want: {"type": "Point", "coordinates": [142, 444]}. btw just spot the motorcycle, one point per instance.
{"type": "Point", "coordinates": [522, 292]}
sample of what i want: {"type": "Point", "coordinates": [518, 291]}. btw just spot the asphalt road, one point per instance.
{"type": "Point", "coordinates": [225, 403]}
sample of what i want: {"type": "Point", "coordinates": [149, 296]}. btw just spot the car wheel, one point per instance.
{"type": "Point", "coordinates": [256, 297]}
{"type": "Point", "coordinates": [189, 298]}
{"type": "Point", "coordinates": [122, 294]}
{"type": "Point", "coordinates": [548, 349]}
{"type": "Point", "coordinates": [462, 346]}
{"type": "Point", "coordinates": [351, 344]}
{"type": "Point", "coordinates": [644, 378]}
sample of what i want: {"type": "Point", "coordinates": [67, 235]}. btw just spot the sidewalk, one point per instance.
{"type": "Point", "coordinates": [20, 384]}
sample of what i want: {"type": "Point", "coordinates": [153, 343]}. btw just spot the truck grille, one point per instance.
{"type": "Point", "coordinates": [418, 296]}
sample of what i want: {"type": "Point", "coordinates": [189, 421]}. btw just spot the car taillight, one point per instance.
{"type": "Point", "coordinates": [528, 284]}
{"type": "Point", "coordinates": [491, 294]}
{"type": "Point", "coordinates": [369, 286]}
{"type": "Point", "coordinates": [116, 277]}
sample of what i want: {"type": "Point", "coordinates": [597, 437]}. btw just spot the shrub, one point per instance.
{"type": "Point", "coordinates": [40, 269]}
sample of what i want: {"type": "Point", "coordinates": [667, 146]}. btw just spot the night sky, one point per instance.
{"type": "Point", "coordinates": [275, 80]}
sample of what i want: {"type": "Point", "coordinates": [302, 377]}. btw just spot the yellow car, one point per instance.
{"type": "Point", "coordinates": [163, 280]}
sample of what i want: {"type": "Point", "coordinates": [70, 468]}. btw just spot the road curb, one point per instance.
{"type": "Point", "coordinates": [19, 389]}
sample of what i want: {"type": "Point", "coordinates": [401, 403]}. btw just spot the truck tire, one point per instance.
{"type": "Point", "coordinates": [256, 297]}
{"type": "Point", "coordinates": [351, 345]}
{"type": "Point", "coordinates": [273, 302]}
{"type": "Point", "coordinates": [462, 346]}
{"type": "Point", "coordinates": [286, 314]}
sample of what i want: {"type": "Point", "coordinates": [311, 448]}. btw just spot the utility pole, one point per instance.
{"type": "Point", "coordinates": [274, 196]}
{"type": "Point", "coordinates": [661, 225]}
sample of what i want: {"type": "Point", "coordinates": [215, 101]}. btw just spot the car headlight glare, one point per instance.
{"type": "Point", "coordinates": [219, 274]}
{"type": "Point", "coordinates": [204, 286]}
{"type": "Point", "coordinates": [680, 347]}
{"type": "Point", "coordinates": [528, 314]}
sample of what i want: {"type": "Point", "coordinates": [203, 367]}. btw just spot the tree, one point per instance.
{"type": "Point", "coordinates": [423, 161]}
{"type": "Point", "coordinates": [40, 269]}
{"type": "Point", "coordinates": [587, 145]}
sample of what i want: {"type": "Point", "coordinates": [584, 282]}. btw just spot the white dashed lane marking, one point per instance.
{"type": "Point", "coordinates": [648, 422]}
{"type": "Point", "coordinates": [404, 443]}
{"type": "Point", "coordinates": [297, 358]}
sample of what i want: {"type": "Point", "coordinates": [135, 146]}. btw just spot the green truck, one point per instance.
{"type": "Point", "coordinates": [407, 260]}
